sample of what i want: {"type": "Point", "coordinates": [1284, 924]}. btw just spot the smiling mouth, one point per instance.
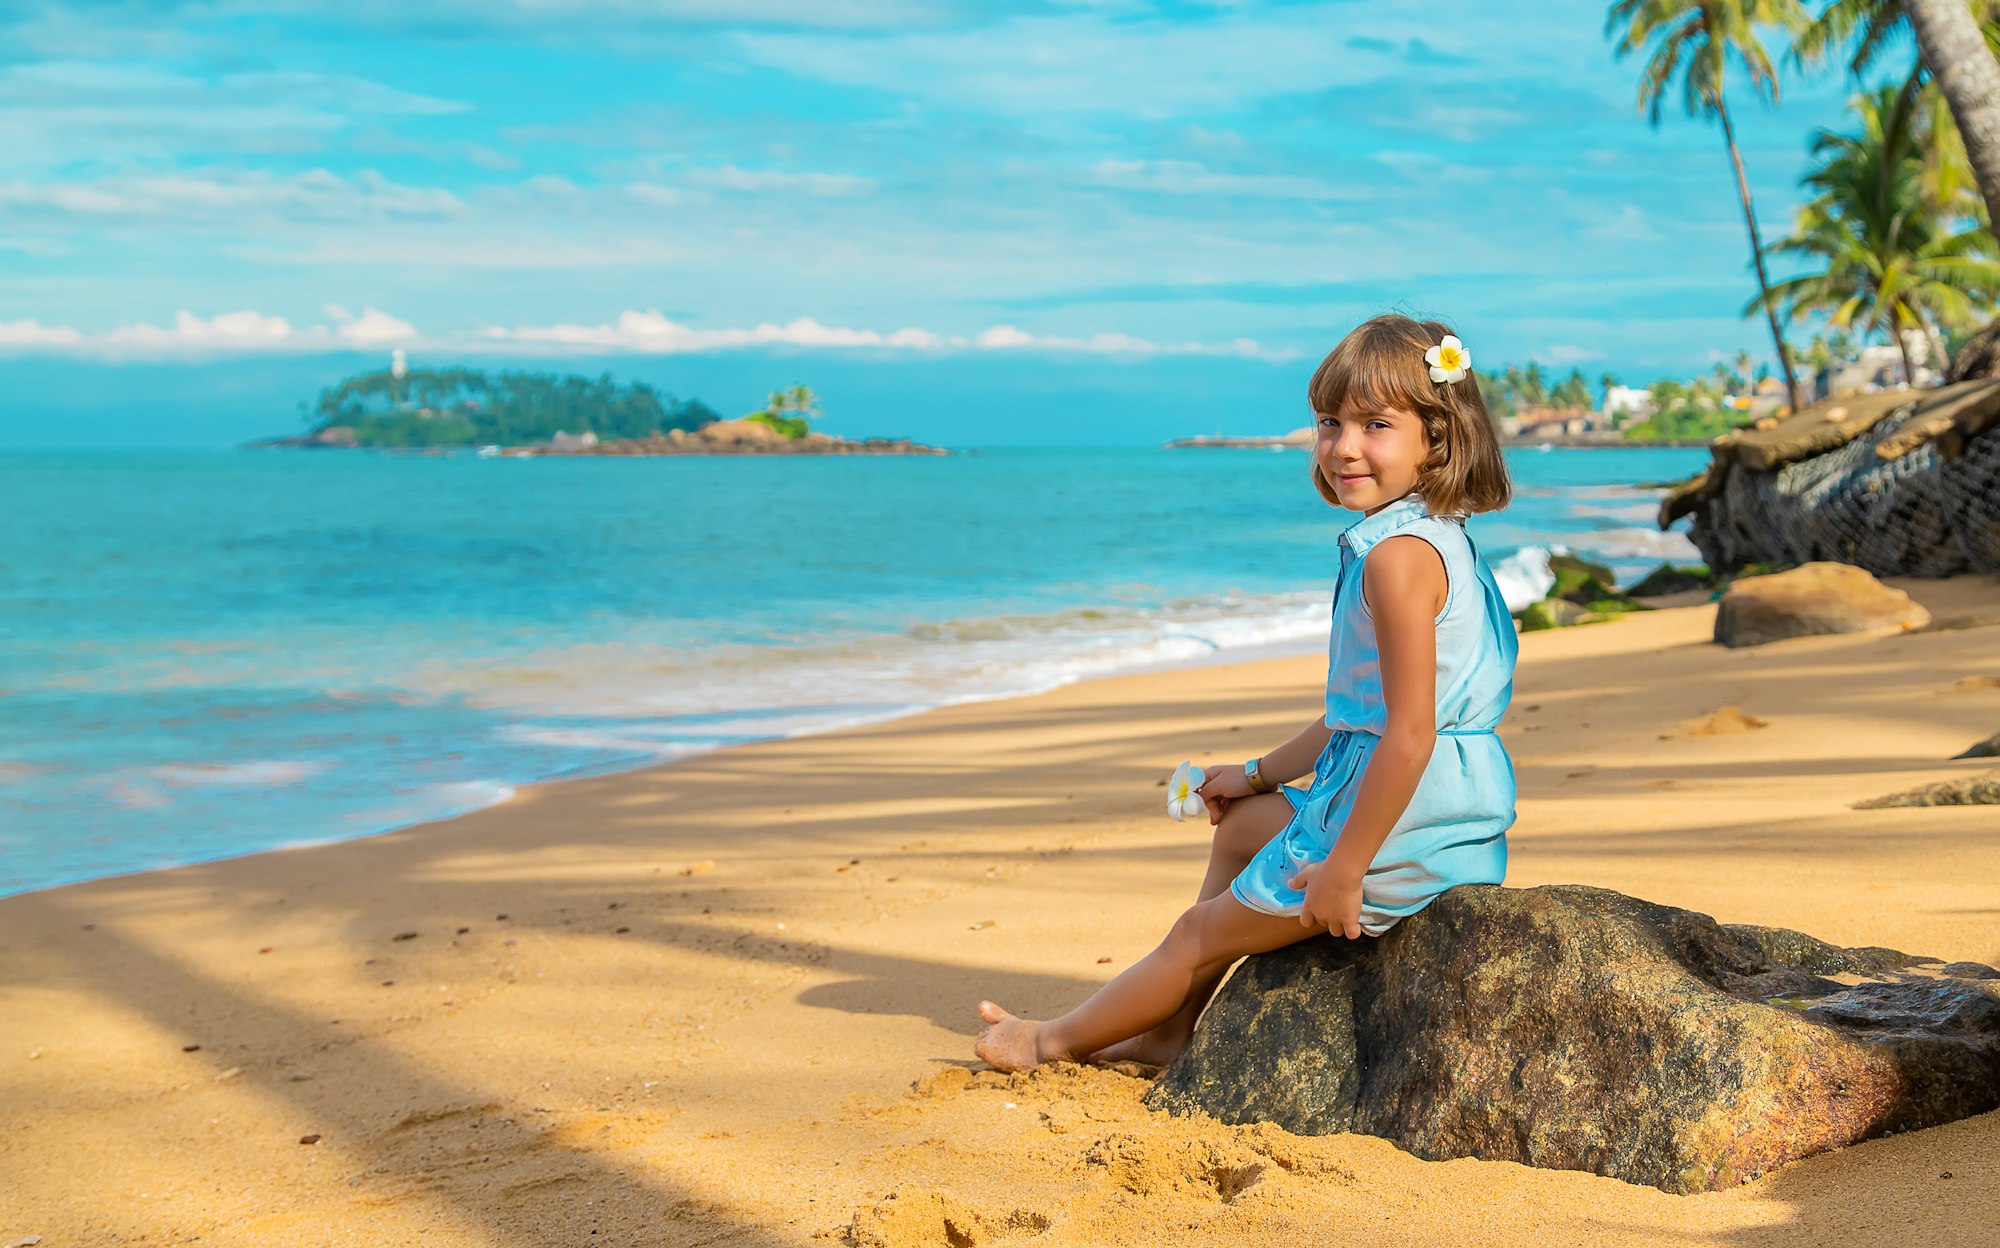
{"type": "Point", "coordinates": [1353, 476]}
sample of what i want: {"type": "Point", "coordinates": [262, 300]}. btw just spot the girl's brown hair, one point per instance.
{"type": "Point", "coordinates": [1381, 364]}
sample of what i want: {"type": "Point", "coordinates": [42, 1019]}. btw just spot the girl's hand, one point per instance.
{"type": "Point", "coordinates": [1225, 783]}
{"type": "Point", "coordinates": [1329, 901]}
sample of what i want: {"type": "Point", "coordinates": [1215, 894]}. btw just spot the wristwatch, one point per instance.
{"type": "Point", "coordinates": [1257, 782]}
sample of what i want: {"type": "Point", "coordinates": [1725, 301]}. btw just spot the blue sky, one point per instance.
{"type": "Point", "coordinates": [1083, 222]}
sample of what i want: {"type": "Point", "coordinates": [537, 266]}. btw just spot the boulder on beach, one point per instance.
{"type": "Point", "coordinates": [1816, 598]}
{"type": "Point", "coordinates": [1979, 790]}
{"type": "Point", "coordinates": [1668, 579]}
{"type": "Point", "coordinates": [1551, 613]}
{"type": "Point", "coordinates": [1580, 580]}
{"type": "Point", "coordinates": [1577, 1028]}
{"type": "Point", "coordinates": [1987, 747]}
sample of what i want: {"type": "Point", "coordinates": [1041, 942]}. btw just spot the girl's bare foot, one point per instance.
{"type": "Point", "coordinates": [1009, 1043]}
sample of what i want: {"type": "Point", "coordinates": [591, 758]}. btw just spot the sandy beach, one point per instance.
{"type": "Point", "coordinates": [730, 1001]}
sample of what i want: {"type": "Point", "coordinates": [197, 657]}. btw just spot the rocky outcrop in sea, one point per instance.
{"type": "Point", "coordinates": [748, 437]}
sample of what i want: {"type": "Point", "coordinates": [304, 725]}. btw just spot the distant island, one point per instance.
{"type": "Point", "coordinates": [522, 414]}
{"type": "Point", "coordinates": [1297, 437]}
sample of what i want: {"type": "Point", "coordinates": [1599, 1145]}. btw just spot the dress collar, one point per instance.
{"type": "Point", "coordinates": [1368, 530]}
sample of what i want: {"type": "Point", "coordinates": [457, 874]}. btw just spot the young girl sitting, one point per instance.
{"type": "Point", "coordinates": [1411, 790]}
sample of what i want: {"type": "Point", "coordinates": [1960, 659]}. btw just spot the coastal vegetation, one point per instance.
{"type": "Point", "coordinates": [1695, 40]}
{"type": "Point", "coordinates": [1896, 229]}
{"type": "Point", "coordinates": [1898, 259]}
{"type": "Point", "coordinates": [788, 412]}
{"type": "Point", "coordinates": [1898, 237]}
{"type": "Point", "coordinates": [1514, 388]}
{"type": "Point", "coordinates": [467, 407]}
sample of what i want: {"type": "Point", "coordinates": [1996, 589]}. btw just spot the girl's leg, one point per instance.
{"type": "Point", "coordinates": [1204, 942]}
{"type": "Point", "coordinates": [1247, 827]}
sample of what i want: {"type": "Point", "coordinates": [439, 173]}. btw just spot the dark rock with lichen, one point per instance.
{"type": "Point", "coordinates": [1979, 790]}
{"type": "Point", "coordinates": [1576, 1028]}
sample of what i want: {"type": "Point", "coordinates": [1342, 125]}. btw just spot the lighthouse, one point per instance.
{"type": "Point", "coordinates": [399, 364]}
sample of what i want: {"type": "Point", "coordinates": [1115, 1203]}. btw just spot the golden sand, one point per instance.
{"type": "Point", "coordinates": [730, 1001]}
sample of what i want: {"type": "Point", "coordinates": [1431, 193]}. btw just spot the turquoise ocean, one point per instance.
{"type": "Point", "coordinates": [212, 653]}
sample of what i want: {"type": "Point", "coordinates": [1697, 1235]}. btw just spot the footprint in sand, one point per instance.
{"type": "Point", "coordinates": [1726, 722]}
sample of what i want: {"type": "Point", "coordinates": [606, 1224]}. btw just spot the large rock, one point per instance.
{"type": "Point", "coordinates": [1816, 598]}
{"type": "Point", "coordinates": [1668, 579]}
{"type": "Point", "coordinates": [1551, 613]}
{"type": "Point", "coordinates": [1981, 790]}
{"type": "Point", "coordinates": [741, 433]}
{"type": "Point", "coordinates": [1576, 1028]}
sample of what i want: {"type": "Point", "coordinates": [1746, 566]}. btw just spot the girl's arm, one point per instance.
{"type": "Point", "coordinates": [1296, 757]}
{"type": "Point", "coordinates": [1289, 761]}
{"type": "Point", "coordinates": [1404, 580]}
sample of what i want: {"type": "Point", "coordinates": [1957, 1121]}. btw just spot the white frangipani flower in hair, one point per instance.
{"type": "Point", "coordinates": [1449, 359]}
{"type": "Point", "coordinates": [1182, 800]}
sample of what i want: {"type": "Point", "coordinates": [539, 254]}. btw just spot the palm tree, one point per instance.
{"type": "Point", "coordinates": [1963, 37]}
{"type": "Point", "coordinates": [1703, 33]}
{"type": "Point", "coordinates": [1893, 256]}
{"type": "Point", "coordinates": [1744, 364]}
{"type": "Point", "coordinates": [1871, 25]}
{"type": "Point", "coordinates": [1966, 72]}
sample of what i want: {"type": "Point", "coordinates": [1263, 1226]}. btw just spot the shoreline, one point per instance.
{"type": "Point", "coordinates": [1254, 652]}
{"type": "Point", "coordinates": [728, 999]}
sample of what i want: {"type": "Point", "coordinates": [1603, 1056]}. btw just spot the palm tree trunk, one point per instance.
{"type": "Point", "coordinates": [1903, 349]}
{"type": "Point", "coordinates": [1964, 69]}
{"type": "Point", "coordinates": [1943, 358]}
{"type": "Point", "coordinates": [1757, 254]}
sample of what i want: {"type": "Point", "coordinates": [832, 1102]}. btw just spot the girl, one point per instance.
{"type": "Point", "coordinates": [1411, 790]}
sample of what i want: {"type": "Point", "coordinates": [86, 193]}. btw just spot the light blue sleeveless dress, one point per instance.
{"type": "Point", "coordinates": [1454, 829]}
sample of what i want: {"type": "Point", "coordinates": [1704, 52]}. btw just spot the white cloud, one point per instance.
{"type": "Point", "coordinates": [731, 178]}
{"type": "Point", "coordinates": [1563, 354]}
{"type": "Point", "coordinates": [635, 332]}
{"type": "Point", "coordinates": [1042, 65]}
{"type": "Point", "coordinates": [1460, 123]}
{"type": "Point", "coordinates": [223, 333]}
{"type": "Point", "coordinates": [653, 334]}
{"type": "Point", "coordinates": [702, 184]}
{"type": "Point", "coordinates": [1629, 224]}
{"type": "Point", "coordinates": [1187, 177]}
{"type": "Point", "coordinates": [654, 194]}
{"type": "Point", "coordinates": [1149, 67]}
{"type": "Point", "coordinates": [227, 197]}
{"type": "Point", "coordinates": [372, 328]}
{"type": "Point", "coordinates": [1009, 338]}
{"type": "Point", "coordinates": [32, 333]}
{"type": "Point", "coordinates": [235, 330]}
{"type": "Point", "coordinates": [650, 333]}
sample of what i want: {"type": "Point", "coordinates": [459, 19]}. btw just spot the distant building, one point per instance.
{"type": "Point", "coordinates": [572, 441]}
{"type": "Point", "coordinates": [1552, 422]}
{"type": "Point", "coordinates": [1880, 367]}
{"type": "Point", "coordinates": [1626, 403]}
{"type": "Point", "coordinates": [399, 364]}
{"type": "Point", "coordinates": [1766, 397]}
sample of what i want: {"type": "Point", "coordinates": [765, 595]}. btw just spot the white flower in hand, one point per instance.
{"type": "Point", "coordinates": [1182, 800]}
{"type": "Point", "coordinates": [1449, 359]}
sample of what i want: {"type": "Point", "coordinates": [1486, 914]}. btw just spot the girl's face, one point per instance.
{"type": "Point", "coordinates": [1372, 457]}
